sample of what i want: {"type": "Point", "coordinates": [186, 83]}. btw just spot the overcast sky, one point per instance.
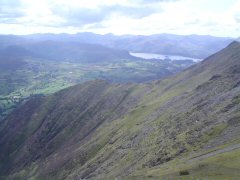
{"type": "Point", "coordinates": [213, 17]}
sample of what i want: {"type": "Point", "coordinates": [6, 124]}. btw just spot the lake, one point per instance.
{"type": "Point", "coordinates": [162, 56]}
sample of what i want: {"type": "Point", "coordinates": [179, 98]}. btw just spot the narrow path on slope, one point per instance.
{"type": "Point", "coordinates": [215, 152]}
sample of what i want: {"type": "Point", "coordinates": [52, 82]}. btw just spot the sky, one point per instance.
{"type": "Point", "coordinates": [204, 17]}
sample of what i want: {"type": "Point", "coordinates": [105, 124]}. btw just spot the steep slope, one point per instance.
{"type": "Point", "coordinates": [68, 116]}
{"type": "Point", "coordinates": [159, 129]}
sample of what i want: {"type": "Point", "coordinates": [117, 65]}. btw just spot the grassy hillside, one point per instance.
{"type": "Point", "coordinates": [185, 126]}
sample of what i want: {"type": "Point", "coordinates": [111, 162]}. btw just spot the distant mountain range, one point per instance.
{"type": "Point", "coordinates": [46, 63]}
{"type": "Point", "coordinates": [65, 51]}
{"type": "Point", "coordinates": [185, 126]}
{"type": "Point", "coordinates": [195, 46]}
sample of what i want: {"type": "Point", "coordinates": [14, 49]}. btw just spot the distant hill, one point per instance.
{"type": "Point", "coordinates": [65, 51]}
{"type": "Point", "coordinates": [11, 57]}
{"type": "Point", "coordinates": [14, 51]}
{"type": "Point", "coordinates": [6, 40]}
{"type": "Point", "coordinates": [185, 126]}
{"type": "Point", "coordinates": [195, 46]}
{"type": "Point", "coordinates": [10, 63]}
{"type": "Point", "coordinates": [76, 52]}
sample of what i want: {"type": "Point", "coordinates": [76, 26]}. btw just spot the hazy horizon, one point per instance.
{"type": "Point", "coordinates": [121, 17]}
{"type": "Point", "coordinates": [75, 33]}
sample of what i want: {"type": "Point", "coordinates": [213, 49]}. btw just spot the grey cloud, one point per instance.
{"type": "Point", "coordinates": [10, 3]}
{"type": "Point", "coordinates": [134, 12]}
{"type": "Point", "coordinates": [10, 10]}
{"type": "Point", "coordinates": [80, 16]}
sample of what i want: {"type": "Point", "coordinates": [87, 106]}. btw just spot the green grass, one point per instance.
{"type": "Point", "coordinates": [221, 166]}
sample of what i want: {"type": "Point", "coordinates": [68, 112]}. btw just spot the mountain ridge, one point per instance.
{"type": "Point", "coordinates": [195, 46]}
